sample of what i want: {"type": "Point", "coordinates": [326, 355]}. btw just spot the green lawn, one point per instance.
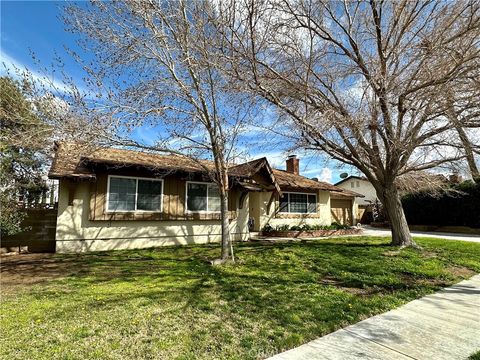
{"type": "Point", "coordinates": [169, 303]}
{"type": "Point", "coordinates": [475, 356]}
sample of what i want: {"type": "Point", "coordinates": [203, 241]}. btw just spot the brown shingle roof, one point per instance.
{"type": "Point", "coordinates": [289, 180]}
{"type": "Point", "coordinates": [71, 160]}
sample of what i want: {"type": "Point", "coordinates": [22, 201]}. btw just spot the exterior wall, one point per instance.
{"type": "Point", "coordinates": [258, 210]}
{"type": "Point", "coordinates": [174, 198]}
{"type": "Point", "coordinates": [342, 210]}
{"type": "Point", "coordinates": [364, 187]}
{"type": "Point", "coordinates": [77, 233]}
{"type": "Point", "coordinates": [357, 213]}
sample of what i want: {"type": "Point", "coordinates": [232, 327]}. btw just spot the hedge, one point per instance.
{"type": "Point", "coordinates": [457, 208]}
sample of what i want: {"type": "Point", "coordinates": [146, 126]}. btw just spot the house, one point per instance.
{"type": "Point", "coordinates": [361, 185]}
{"type": "Point", "coordinates": [117, 199]}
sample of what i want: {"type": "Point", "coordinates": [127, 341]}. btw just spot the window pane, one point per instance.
{"type": "Point", "coordinates": [196, 197]}
{"type": "Point", "coordinates": [298, 203]}
{"type": "Point", "coordinates": [213, 198]}
{"type": "Point", "coordinates": [121, 196]}
{"type": "Point", "coordinates": [149, 195]}
{"type": "Point", "coordinates": [284, 203]}
{"type": "Point", "coordinates": [312, 204]}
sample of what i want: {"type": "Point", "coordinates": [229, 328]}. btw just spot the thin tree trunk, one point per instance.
{"type": "Point", "coordinates": [225, 224]}
{"type": "Point", "coordinates": [467, 145]}
{"type": "Point", "coordinates": [224, 216]}
{"type": "Point", "coordinates": [398, 223]}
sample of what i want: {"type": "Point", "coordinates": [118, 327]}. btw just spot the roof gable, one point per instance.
{"type": "Point", "coordinates": [351, 177]}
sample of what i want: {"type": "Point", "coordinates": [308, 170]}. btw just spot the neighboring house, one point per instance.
{"type": "Point", "coordinates": [116, 199]}
{"type": "Point", "coordinates": [362, 186]}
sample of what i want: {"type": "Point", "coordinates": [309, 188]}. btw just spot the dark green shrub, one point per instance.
{"type": "Point", "coordinates": [305, 227]}
{"type": "Point", "coordinates": [267, 228]}
{"type": "Point", "coordinates": [460, 207]}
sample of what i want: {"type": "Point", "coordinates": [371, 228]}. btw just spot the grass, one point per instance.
{"type": "Point", "coordinates": [169, 303]}
{"type": "Point", "coordinates": [475, 356]}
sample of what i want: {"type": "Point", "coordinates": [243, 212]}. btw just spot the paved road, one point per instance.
{"type": "Point", "coordinates": [370, 231]}
{"type": "Point", "coordinates": [441, 326]}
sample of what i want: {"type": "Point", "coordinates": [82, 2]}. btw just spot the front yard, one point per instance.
{"type": "Point", "coordinates": [170, 303]}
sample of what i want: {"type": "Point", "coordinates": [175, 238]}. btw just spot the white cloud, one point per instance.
{"type": "Point", "coordinates": [275, 158]}
{"type": "Point", "coordinates": [15, 68]}
{"type": "Point", "coordinates": [325, 175]}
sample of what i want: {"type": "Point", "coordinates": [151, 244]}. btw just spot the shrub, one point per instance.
{"type": "Point", "coordinates": [284, 227]}
{"type": "Point", "coordinates": [458, 208]}
{"type": "Point", "coordinates": [305, 227]}
{"type": "Point", "coordinates": [267, 228]}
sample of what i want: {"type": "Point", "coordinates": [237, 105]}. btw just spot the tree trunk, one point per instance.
{"type": "Point", "coordinates": [467, 144]}
{"type": "Point", "coordinates": [398, 223]}
{"type": "Point", "coordinates": [225, 224]}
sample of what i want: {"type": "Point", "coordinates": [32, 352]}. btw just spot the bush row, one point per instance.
{"type": "Point", "coordinates": [305, 227]}
{"type": "Point", "coordinates": [460, 207]}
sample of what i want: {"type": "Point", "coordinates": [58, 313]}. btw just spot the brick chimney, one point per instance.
{"type": "Point", "coordinates": [293, 164]}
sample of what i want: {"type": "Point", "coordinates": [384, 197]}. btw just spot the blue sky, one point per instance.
{"type": "Point", "coordinates": [35, 26]}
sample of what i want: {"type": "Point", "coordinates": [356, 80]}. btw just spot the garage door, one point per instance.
{"type": "Point", "coordinates": [341, 210]}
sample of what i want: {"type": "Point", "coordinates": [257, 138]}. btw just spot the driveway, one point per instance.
{"type": "Point", "coordinates": [371, 231]}
{"type": "Point", "coordinates": [441, 326]}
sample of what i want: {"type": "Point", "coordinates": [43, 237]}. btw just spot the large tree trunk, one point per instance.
{"type": "Point", "coordinates": [398, 223]}
{"type": "Point", "coordinates": [225, 224]}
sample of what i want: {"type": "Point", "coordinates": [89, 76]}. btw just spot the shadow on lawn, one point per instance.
{"type": "Point", "coordinates": [277, 270]}
{"type": "Point", "coordinates": [260, 265]}
{"type": "Point", "coordinates": [305, 289]}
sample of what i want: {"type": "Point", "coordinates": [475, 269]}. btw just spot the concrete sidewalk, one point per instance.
{"type": "Point", "coordinates": [371, 231]}
{"type": "Point", "coordinates": [444, 325]}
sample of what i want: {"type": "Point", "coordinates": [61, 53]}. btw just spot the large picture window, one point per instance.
{"type": "Point", "coordinates": [134, 194]}
{"type": "Point", "coordinates": [298, 203]}
{"type": "Point", "coordinates": [203, 197]}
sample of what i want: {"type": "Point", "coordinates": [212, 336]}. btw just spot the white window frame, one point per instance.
{"type": "Point", "coordinates": [186, 198]}
{"type": "Point", "coordinates": [136, 178]}
{"type": "Point", "coordinates": [300, 193]}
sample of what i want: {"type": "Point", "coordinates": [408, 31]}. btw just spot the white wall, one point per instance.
{"type": "Point", "coordinates": [76, 233]}
{"type": "Point", "coordinates": [363, 187]}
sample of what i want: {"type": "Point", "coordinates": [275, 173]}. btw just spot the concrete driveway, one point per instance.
{"type": "Point", "coordinates": [371, 231]}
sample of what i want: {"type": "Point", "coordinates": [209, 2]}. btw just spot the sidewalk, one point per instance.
{"type": "Point", "coordinates": [371, 231]}
{"type": "Point", "coordinates": [444, 325]}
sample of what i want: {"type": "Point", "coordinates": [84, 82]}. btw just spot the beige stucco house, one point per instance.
{"type": "Point", "coordinates": [118, 199]}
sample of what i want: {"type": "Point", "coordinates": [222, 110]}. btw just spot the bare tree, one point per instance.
{"type": "Point", "coordinates": [157, 65]}
{"type": "Point", "coordinates": [362, 81]}
{"type": "Point", "coordinates": [463, 108]}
